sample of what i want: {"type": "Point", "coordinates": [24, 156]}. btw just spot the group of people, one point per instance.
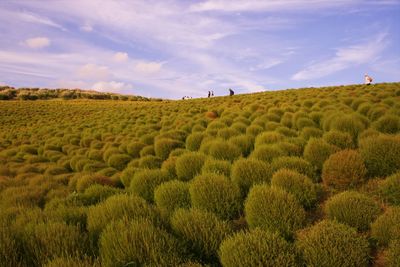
{"type": "Point", "coordinates": [210, 94]}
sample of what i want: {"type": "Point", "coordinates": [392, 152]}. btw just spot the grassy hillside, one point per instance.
{"type": "Point", "coordinates": [287, 178]}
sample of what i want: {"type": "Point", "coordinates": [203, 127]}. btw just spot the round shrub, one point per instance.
{"type": "Point", "coordinates": [247, 172]}
{"type": "Point", "coordinates": [353, 209]}
{"type": "Point", "coordinates": [227, 133]}
{"type": "Point", "coordinates": [267, 152]}
{"type": "Point", "coordinates": [348, 123]}
{"type": "Point", "coordinates": [387, 227]}
{"type": "Point", "coordinates": [150, 162]}
{"type": "Point", "coordinates": [193, 141]}
{"type": "Point", "coordinates": [309, 132]}
{"type": "Point", "coordinates": [297, 184]}
{"type": "Point", "coordinates": [273, 209]}
{"type": "Point", "coordinates": [144, 182]}
{"type": "Point", "coordinates": [389, 189]}
{"type": "Point", "coordinates": [381, 154]}
{"type": "Point", "coordinates": [268, 138]}
{"type": "Point", "coordinates": [222, 167]}
{"type": "Point", "coordinates": [329, 243]}
{"type": "Point", "coordinates": [389, 124]}
{"type": "Point", "coordinates": [189, 165]}
{"type": "Point", "coordinates": [147, 150]}
{"type": "Point", "coordinates": [137, 243]}
{"type": "Point", "coordinates": [344, 169]}
{"type": "Point", "coordinates": [119, 161]}
{"type": "Point", "coordinates": [97, 193]}
{"type": "Point", "coordinates": [342, 140]}
{"type": "Point", "coordinates": [294, 163]}
{"type": "Point", "coordinates": [202, 231]}
{"type": "Point", "coordinates": [304, 122]}
{"type": "Point", "coordinates": [244, 142]}
{"type": "Point", "coordinates": [172, 195]}
{"type": "Point", "coordinates": [117, 207]}
{"type": "Point", "coordinates": [134, 148]}
{"type": "Point", "coordinates": [257, 248]}
{"type": "Point", "coordinates": [89, 179]}
{"type": "Point", "coordinates": [224, 150]}
{"type": "Point", "coordinates": [215, 193]}
{"type": "Point", "coordinates": [163, 147]}
{"type": "Point", "coordinates": [317, 151]}
{"type": "Point", "coordinates": [127, 175]}
{"type": "Point", "coordinates": [254, 130]}
{"type": "Point", "coordinates": [9, 249]}
{"type": "Point", "coordinates": [393, 253]}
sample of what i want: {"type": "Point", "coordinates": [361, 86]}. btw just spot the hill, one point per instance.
{"type": "Point", "coordinates": [11, 93]}
{"type": "Point", "coordinates": [294, 177]}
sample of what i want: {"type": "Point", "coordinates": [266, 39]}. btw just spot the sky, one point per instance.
{"type": "Point", "coordinates": [171, 48]}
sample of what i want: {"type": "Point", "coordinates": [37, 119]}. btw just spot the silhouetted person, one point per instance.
{"type": "Point", "coordinates": [368, 79]}
{"type": "Point", "coordinates": [209, 94]}
{"type": "Point", "coordinates": [231, 92]}
{"type": "Point", "coordinates": [212, 93]}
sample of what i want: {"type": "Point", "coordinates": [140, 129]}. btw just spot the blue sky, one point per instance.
{"type": "Point", "coordinates": [170, 49]}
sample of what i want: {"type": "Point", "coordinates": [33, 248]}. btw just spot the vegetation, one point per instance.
{"type": "Point", "coordinates": [292, 178]}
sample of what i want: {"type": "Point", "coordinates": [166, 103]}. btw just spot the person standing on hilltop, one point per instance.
{"type": "Point", "coordinates": [231, 92]}
{"type": "Point", "coordinates": [368, 79]}
{"type": "Point", "coordinates": [209, 94]}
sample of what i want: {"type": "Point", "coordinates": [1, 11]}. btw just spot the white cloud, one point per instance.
{"type": "Point", "coordinates": [345, 58]}
{"type": "Point", "coordinates": [94, 72]}
{"type": "Point", "coordinates": [37, 42]}
{"type": "Point", "coordinates": [35, 18]}
{"type": "Point", "coordinates": [121, 57]}
{"type": "Point", "coordinates": [112, 87]}
{"type": "Point", "coordinates": [86, 28]}
{"type": "Point", "coordinates": [147, 67]}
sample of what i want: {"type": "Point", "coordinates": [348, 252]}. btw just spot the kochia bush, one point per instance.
{"type": "Point", "coordinates": [387, 227]}
{"type": "Point", "coordinates": [172, 195]}
{"type": "Point", "coordinates": [389, 189]}
{"type": "Point", "coordinates": [144, 182]}
{"type": "Point", "coordinates": [189, 165]}
{"type": "Point", "coordinates": [317, 151]}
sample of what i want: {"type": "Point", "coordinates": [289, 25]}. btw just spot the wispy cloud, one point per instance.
{"type": "Point", "coordinates": [37, 42]}
{"type": "Point", "coordinates": [344, 58]}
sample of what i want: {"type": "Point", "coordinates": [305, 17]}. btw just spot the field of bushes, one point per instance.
{"type": "Point", "coordinates": [307, 177]}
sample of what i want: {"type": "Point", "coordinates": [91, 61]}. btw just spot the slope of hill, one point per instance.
{"type": "Point", "coordinates": [292, 178]}
{"type": "Point", "coordinates": [11, 93]}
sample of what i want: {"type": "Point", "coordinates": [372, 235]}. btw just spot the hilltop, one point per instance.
{"type": "Point", "coordinates": [299, 177]}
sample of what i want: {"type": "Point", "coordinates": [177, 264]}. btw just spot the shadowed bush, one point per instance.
{"type": "Point", "coordinates": [294, 163]}
{"type": "Point", "coordinates": [9, 248]}
{"type": "Point", "coordinates": [387, 227]}
{"type": "Point", "coordinates": [297, 184]}
{"type": "Point", "coordinates": [134, 148]}
{"type": "Point", "coordinates": [331, 244]}
{"type": "Point", "coordinates": [344, 169]}
{"type": "Point", "coordinates": [257, 248]}
{"type": "Point", "coordinates": [389, 189]}
{"type": "Point", "coordinates": [163, 147]}
{"type": "Point", "coordinates": [172, 195]}
{"type": "Point", "coordinates": [353, 209]}
{"type": "Point", "coordinates": [73, 262]}
{"type": "Point", "coordinates": [393, 253]}
{"type": "Point", "coordinates": [273, 209]}
{"type": "Point", "coordinates": [189, 165]}
{"type": "Point", "coordinates": [202, 231]}
{"type": "Point", "coordinates": [150, 162]}
{"type": "Point", "coordinates": [389, 124]}
{"type": "Point", "coordinates": [222, 167]}
{"type": "Point", "coordinates": [351, 124]}
{"type": "Point", "coordinates": [144, 182]}
{"type": "Point", "coordinates": [137, 243]}
{"type": "Point", "coordinates": [119, 161]}
{"type": "Point", "coordinates": [342, 140]}
{"type": "Point", "coordinates": [247, 172]}
{"type": "Point", "coordinates": [311, 132]}
{"type": "Point", "coordinates": [215, 193]}
{"type": "Point", "coordinates": [381, 154]}
{"type": "Point", "coordinates": [317, 151]}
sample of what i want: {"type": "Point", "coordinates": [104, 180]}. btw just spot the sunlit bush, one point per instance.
{"type": "Point", "coordinates": [389, 189]}
{"type": "Point", "coordinates": [387, 227]}
{"type": "Point", "coordinates": [172, 195]}
{"type": "Point", "coordinates": [189, 165]}
{"type": "Point", "coordinates": [144, 182]}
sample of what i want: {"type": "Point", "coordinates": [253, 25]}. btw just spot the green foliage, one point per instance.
{"type": "Point", "coordinates": [189, 165]}
{"type": "Point", "coordinates": [150, 162]}
{"type": "Point", "coordinates": [273, 209]}
{"type": "Point", "coordinates": [202, 231]}
{"type": "Point", "coordinates": [163, 147]}
{"type": "Point", "coordinates": [224, 150]}
{"type": "Point", "coordinates": [389, 189]}
{"type": "Point", "coordinates": [257, 248]}
{"type": "Point", "coordinates": [144, 182]}
{"type": "Point", "coordinates": [381, 154]}
{"type": "Point", "coordinates": [344, 169]}
{"type": "Point", "coordinates": [119, 161]}
{"type": "Point", "coordinates": [351, 124]}
{"type": "Point", "coordinates": [353, 209]}
{"type": "Point", "coordinates": [222, 167]}
{"type": "Point", "coordinates": [393, 253]}
{"type": "Point", "coordinates": [387, 227]}
{"type": "Point", "coordinates": [294, 163]}
{"type": "Point", "coordinates": [331, 244]}
{"type": "Point", "coordinates": [247, 172]}
{"type": "Point", "coordinates": [134, 148]}
{"type": "Point", "coordinates": [217, 194]}
{"type": "Point", "coordinates": [172, 195]}
{"type": "Point", "coordinates": [268, 138]}
{"type": "Point", "coordinates": [267, 152]}
{"type": "Point", "coordinates": [137, 243]}
{"type": "Point", "coordinates": [389, 124]}
{"type": "Point", "coordinates": [297, 184]}
{"type": "Point", "coordinates": [193, 141]}
{"type": "Point", "coordinates": [342, 140]}
{"type": "Point", "coordinates": [9, 248]}
{"type": "Point", "coordinates": [244, 142]}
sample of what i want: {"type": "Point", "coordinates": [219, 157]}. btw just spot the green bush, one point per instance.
{"type": "Point", "coordinates": [257, 248]}
{"type": "Point", "coordinates": [317, 151]}
{"type": "Point", "coordinates": [389, 124]}
{"type": "Point", "coordinates": [215, 193]}
{"type": "Point", "coordinates": [294, 163]}
{"type": "Point", "coordinates": [244, 142]}
{"type": "Point", "coordinates": [119, 161]}
{"type": "Point", "coordinates": [9, 247]}
{"type": "Point", "coordinates": [147, 151]}
{"type": "Point", "coordinates": [267, 153]}
{"type": "Point", "coordinates": [247, 172]}
{"type": "Point", "coordinates": [127, 175]}
{"type": "Point", "coordinates": [311, 132]}
{"type": "Point", "coordinates": [387, 227]}
{"type": "Point", "coordinates": [163, 147]}
{"type": "Point", "coordinates": [134, 148]}
{"type": "Point", "coordinates": [331, 244]}
{"type": "Point", "coordinates": [137, 243]}
{"type": "Point", "coordinates": [351, 124]}
{"type": "Point", "coordinates": [273, 209]}
{"type": "Point", "coordinates": [193, 141]}
{"type": "Point", "coordinates": [393, 253]}
{"type": "Point", "coordinates": [150, 162]}
{"type": "Point", "coordinates": [144, 182]}
{"type": "Point", "coordinates": [343, 170]}
{"type": "Point", "coordinates": [254, 130]}
{"type": "Point", "coordinates": [117, 207]}
{"type": "Point", "coordinates": [224, 150]}
{"type": "Point", "coordinates": [297, 184]}
{"type": "Point", "coordinates": [381, 154]}
{"type": "Point", "coordinates": [227, 133]}
{"type": "Point", "coordinates": [72, 262]}
{"type": "Point", "coordinates": [202, 231]}
{"type": "Point", "coordinates": [389, 189]}
{"type": "Point", "coordinates": [172, 195]}
{"type": "Point", "coordinates": [189, 165]}
{"type": "Point", "coordinates": [222, 167]}
{"type": "Point", "coordinates": [303, 122]}
{"type": "Point", "coordinates": [342, 140]}
{"type": "Point", "coordinates": [353, 209]}
{"type": "Point", "coordinates": [268, 138]}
